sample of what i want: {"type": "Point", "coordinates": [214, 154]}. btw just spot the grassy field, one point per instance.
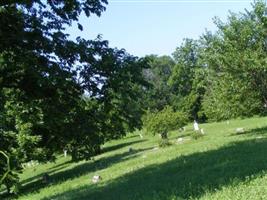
{"type": "Point", "coordinates": [220, 165]}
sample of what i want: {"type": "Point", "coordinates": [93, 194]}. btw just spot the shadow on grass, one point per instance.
{"type": "Point", "coordinates": [36, 178]}
{"type": "Point", "coordinates": [35, 183]}
{"type": "Point", "coordinates": [182, 178]}
{"type": "Point", "coordinates": [119, 146]}
{"type": "Point", "coordinates": [60, 164]}
{"type": "Point", "coordinates": [184, 134]}
{"type": "Point", "coordinates": [65, 164]}
{"type": "Point", "coordinates": [131, 136]}
{"type": "Point", "coordinates": [39, 176]}
{"type": "Point", "coordinates": [79, 170]}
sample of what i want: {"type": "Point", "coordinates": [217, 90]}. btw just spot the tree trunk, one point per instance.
{"type": "Point", "coordinates": [74, 156]}
{"type": "Point", "coordinates": [8, 189]}
{"type": "Point", "coordinates": [164, 135]}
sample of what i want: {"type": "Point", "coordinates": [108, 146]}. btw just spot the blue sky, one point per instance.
{"type": "Point", "coordinates": [145, 27]}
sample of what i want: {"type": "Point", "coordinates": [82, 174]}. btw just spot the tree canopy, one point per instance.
{"type": "Point", "coordinates": [58, 93]}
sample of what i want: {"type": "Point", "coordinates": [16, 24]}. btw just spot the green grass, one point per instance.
{"type": "Point", "coordinates": [220, 165]}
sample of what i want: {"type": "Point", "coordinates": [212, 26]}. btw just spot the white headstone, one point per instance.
{"type": "Point", "coordinates": [65, 152]}
{"type": "Point", "coordinates": [196, 128]}
{"type": "Point", "coordinates": [96, 178]}
{"type": "Point", "coordinates": [144, 156]}
{"type": "Point", "coordinates": [239, 130]}
{"type": "Point", "coordinates": [202, 131]}
{"type": "Point", "coordinates": [155, 148]}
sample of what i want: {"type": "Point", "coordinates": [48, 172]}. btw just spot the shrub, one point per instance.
{"type": "Point", "coordinates": [164, 121]}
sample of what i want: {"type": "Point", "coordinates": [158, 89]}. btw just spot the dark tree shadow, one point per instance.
{"type": "Point", "coordinates": [131, 136]}
{"type": "Point", "coordinates": [185, 177]}
{"type": "Point", "coordinates": [39, 176]}
{"type": "Point", "coordinates": [50, 170]}
{"type": "Point", "coordinates": [119, 146]}
{"type": "Point", "coordinates": [184, 134]}
{"type": "Point", "coordinates": [65, 163]}
{"type": "Point", "coordinates": [36, 179]}
{"type": "Point", "coordinates": [79, 170]}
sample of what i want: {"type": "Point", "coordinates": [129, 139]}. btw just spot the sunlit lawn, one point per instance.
{"type": "Point", "coordinates": [220, 165]}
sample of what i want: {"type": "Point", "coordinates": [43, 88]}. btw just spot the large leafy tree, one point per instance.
{"type": "Point", "coordinates": [159, 94]}
{"type": "Point", "coordinates": [236, 57]}
{"type": "Point", "coordinates": [188, 78]}
{"type": "Point", "coordinates": [186, 57]}
{"type": "Point", "coordinates": [44, 77]}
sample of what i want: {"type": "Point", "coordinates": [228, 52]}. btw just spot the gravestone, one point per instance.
{"type": "Point", "coordinates": [155, 148]}
{"type": "Point", "coordinates": [96, 178]}
{"type": "Point", "coordinates": [65, 152]}
{"type": "Point", "coordinates": [196, 128]}
{"type": "Point", "coordinates": [239, 130]}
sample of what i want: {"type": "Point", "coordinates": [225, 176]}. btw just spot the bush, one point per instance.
{"type": "Point", "coordinates": [164, 121]}
{"type": "Point", "coordinates": [8, 177]}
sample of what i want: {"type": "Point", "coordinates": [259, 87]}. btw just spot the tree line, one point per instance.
{"type": "Point", "coordinates": [219, 76]}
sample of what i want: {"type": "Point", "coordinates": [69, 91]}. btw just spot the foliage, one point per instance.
{"type": "Point", "coordinates": [164, 121]}
{"type": "Point", "coordinates": [9, 177]}
{"type": "Point", "coordinates": [236, 57]}
{"type": "Point", "coordinates": [223, 75]}
{"type": "Point", "coordinates": [44, 76]}
{"type": "Point", "coordinates": [186, 57]}
{"type": "Point", "coordinates": [158, 94]}
{"type": "Point", "coordinates": [188, 79]}
{"type": "Point", "coordinates": [231, 98]}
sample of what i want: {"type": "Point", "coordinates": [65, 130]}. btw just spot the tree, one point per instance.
{"type": "Point", "coordinates": [188, 78]}
{"type": "Point", "coordinates": [44, 75]}
{"type": "Point", "coordinates": [230, 98]}
{"type": "Point", "coordinates": [237, 60]}
{"type": "Point", "coordinates": [164, 121]}
{"type": "Point", "coordinates": [186, 57]}
{"type": "Point", "coordinates": [159, 94]}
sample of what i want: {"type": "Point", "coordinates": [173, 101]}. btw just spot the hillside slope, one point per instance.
{"type": "Point", "coordinates": [220, 165]}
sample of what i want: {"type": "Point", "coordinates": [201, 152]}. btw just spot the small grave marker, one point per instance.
{"type": "Point", "coordinates": [96, 178]}
{"type": "Point", "coordinates": [239, 130]}
{"type": "Point", "coordinates": [196, 128]}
